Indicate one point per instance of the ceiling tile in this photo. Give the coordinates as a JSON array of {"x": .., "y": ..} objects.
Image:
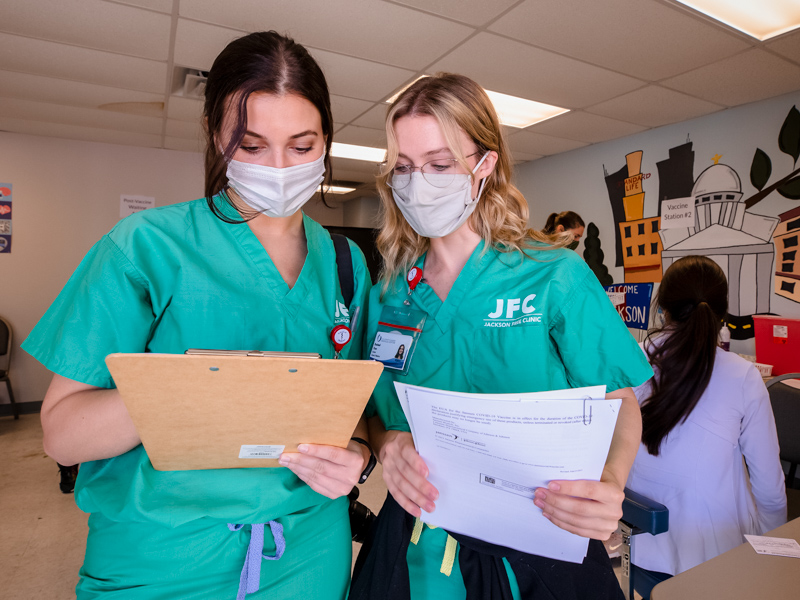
[
  {"x": 472, "y": 12},
  {"x": 642, "y": 38},
  {"x": 747, "y": 77},
  {"x": 374, "y": 118},
  {"x": 520, "y": 157},
  {"x": 93, "y": 24},
  {"x": 356, "y": 78},
  {"x": 14, "y": 108},
  {"x": 583, "y": 127},
  {"x": 164, "y": 6},
  {"x": 184, "y": 129},
  {"x": 76, "y": 132},
  {"x": 654, "y": 106},
  {"x": 197, "y": 44},
  {"x": 63, "y": 91},
  {"x": 380, "y": 31},
  {"x": 787, "y": 45},
  {"x": 185, "y": 109},
  {"x": 510, "y": 67},
  {"x": 528, "y": 142},
  {"x": 39, "y": 57},
  {"x": 346, "y": 109},
  {"x": 182, "y": 144},
  {"x": 361, "y": 136}
]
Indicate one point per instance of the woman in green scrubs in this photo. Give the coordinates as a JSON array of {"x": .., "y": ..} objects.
[
  {"x": 243, "y": 268},
  {"x": 508, "y": 310}
]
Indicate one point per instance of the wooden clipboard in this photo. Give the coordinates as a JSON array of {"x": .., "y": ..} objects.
[{"x": 239, "y": 409}]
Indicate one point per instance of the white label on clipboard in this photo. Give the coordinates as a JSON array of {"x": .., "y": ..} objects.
[{"x": 260, "y": 451}]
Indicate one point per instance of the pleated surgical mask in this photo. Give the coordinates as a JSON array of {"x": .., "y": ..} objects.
[
  {"x": 276, "y": 192},
  {"x": 434, "y": 211}
]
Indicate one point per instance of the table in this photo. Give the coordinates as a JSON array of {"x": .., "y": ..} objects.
[{"x": 739, "y": 574}]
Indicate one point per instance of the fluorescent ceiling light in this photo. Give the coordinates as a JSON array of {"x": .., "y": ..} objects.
[
  {"x": 375, "y": 155},
  {"x": 761, "y": 19},
  {"x": 511, "y": 110},
  {"x": 338, "y": 189}
]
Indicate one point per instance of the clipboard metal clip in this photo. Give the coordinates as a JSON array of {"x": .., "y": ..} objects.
[{"x": 585, "y": 421}]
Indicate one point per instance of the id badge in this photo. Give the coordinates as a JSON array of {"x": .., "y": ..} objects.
[{"x": 399, "y": 329}]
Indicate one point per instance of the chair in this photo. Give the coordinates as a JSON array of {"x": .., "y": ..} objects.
[
  {"x": 639, "y": 515},
  {"x": 785, "y": 401},
  {"x": 5, "y": 361}
]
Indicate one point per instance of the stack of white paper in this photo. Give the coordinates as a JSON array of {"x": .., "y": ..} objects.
[{"x": 487, "y": 454}]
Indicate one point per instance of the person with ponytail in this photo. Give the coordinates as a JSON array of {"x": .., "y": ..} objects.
[
  {"x": 702, "y": 412},
  {"x": 565, "y": 222}
]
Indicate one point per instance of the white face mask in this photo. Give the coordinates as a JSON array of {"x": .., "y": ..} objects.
[
  {"x": 276, "y": 192},
  {"x": 435, "y": 212}
]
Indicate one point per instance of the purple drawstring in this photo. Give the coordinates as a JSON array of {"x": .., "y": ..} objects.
[{"x": 251, "y": 571}]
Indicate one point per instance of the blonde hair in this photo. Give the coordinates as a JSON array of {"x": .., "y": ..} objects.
[{"x": 501, "y": 217}]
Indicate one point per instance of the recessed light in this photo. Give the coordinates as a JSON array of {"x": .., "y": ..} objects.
[
  {"x": 338, "y": 189},
  {"x": 761, "y": 19},
  {"x": 375, "y": 155},
  {"x": 512, "y": 111}
]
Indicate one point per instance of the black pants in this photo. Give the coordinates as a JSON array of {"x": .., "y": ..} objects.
[{"x": 381, "y": 571}]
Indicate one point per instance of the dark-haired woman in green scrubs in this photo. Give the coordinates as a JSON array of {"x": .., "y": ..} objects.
[{"x": 243, "y": 268}]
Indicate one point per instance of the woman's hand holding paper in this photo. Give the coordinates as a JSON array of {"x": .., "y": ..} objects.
[{"x": 405, "y": 473}]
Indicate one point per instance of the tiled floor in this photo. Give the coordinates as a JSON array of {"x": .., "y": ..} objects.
[{"x": 42, "y": 532}]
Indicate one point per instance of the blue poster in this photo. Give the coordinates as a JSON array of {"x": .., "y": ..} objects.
[
  {"x": 632, "y": 301},
  {"x": 5, "y": 218}
]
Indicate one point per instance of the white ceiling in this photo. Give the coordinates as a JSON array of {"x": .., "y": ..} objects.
[{"x": 621, "y": 66}]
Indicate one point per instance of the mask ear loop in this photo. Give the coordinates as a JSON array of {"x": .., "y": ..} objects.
[{"x": 483, "y": 181}]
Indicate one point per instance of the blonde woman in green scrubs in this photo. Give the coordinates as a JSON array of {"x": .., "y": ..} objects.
[
  {"x": 506, "y": 312},
  {"x": 243, "y": 268}
]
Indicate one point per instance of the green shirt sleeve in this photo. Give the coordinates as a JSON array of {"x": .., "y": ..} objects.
[
  {"x": 594, "y": 342},
  {"x": 104, "y": 308}
]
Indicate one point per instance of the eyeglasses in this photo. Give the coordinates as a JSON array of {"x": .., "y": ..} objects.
[{"x": 439, "y": 172}]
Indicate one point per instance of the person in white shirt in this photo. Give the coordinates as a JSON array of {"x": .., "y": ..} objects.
[{"x": 703, "y": 412}]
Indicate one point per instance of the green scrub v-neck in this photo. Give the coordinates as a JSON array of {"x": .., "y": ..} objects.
[{"x": 165, "y": 280}]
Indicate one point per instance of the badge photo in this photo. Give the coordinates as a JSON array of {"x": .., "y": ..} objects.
[{"x": 391, "y": 348}]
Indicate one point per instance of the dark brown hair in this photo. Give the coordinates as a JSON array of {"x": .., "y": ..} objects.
[
  {"x": 694, "y": 297},
  {"x": 268, "y": 62},
  {"x": 567, "y": 219}
]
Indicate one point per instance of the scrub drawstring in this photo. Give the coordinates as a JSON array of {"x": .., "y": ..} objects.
[
  {"x": 251, "y": 571},
  {"x": 449, "y": 557}
]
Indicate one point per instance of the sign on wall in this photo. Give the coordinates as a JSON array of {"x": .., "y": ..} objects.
[
  {"x": 632, "y": 301},
  {"x": 678, "y": 212},
  {"x": 5, "y": 218},
  {"x": 130, "y": 204}
]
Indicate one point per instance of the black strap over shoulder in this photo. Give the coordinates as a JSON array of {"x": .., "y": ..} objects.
[{"x": 344, "y": 265}]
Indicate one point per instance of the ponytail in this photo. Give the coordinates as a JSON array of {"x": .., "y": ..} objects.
[{"x": 694, "y": 295}]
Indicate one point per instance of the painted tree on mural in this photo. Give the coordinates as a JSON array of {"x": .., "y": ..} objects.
[
  {"x": 594, "y": 255},
  {"x": 761, "y": 169}
]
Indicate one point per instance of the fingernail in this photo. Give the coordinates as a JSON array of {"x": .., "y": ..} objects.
[
  {"x": 430, "y": 507},
  {"x": 546, "y": 516},
  {"x": 539, "y": 503},
  {"x": 282, "y": 461},
  {"x": 302, "y": 448},
  {"x": 553, "y": 486},
  {"x": 540, "y": 493}
]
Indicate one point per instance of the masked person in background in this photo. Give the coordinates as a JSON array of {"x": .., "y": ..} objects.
[
  {"x": 242, "y": 268},
  {"x": 452, "y": 218},
  {"x": 565, "y": 222}
]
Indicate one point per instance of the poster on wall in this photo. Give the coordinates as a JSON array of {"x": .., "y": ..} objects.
[
  {"x": 632, "y": 301},
  {"x": 5, "y": 218},
  {"x": 130, "y": 204}
]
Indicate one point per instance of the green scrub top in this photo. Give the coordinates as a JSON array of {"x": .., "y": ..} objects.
[
  {"x": 511, "y": 323},
  {"x": 165, "y": 280}
]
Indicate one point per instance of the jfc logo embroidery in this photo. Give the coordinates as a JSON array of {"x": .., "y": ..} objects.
[
  {"x": 512, "y": 312},
  {"x": 341, "y": 314}
]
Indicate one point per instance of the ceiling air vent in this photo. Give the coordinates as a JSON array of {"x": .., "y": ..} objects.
[{"x": 194, "y": 84}]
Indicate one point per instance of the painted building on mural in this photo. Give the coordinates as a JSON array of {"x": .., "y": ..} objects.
[
  {"x": 641, "y": 243},
  {"x": 740, "y": 242},
  {"x": 787, "y": 269}
]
